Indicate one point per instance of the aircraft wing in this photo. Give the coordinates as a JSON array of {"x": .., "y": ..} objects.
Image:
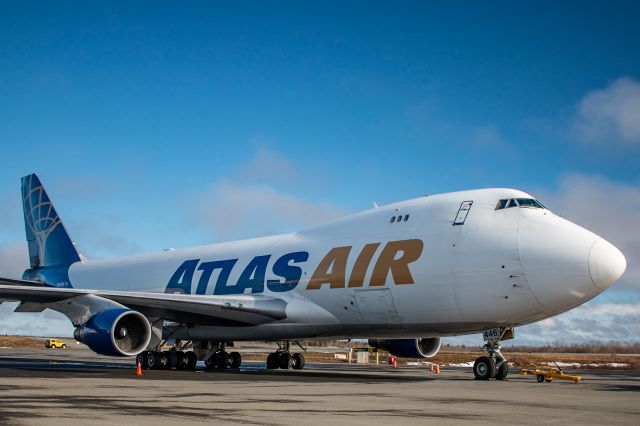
[{"x": 185, "y": 308}]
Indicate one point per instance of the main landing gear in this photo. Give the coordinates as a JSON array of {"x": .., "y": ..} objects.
[
  {"x": 166, "y": 360},
  {"x": 218, "y": 358},
  {"x": 282, "y": 358},
  {"x": 494, "y": 365}
]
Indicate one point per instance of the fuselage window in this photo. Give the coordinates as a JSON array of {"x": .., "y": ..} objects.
[
  {"x": 406, "y": 217},
  {"x": 393, "y": 219}
]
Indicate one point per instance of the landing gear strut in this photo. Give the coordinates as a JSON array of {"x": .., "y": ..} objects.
[
  {"x": 282, "y": 358},
  {"x": 494, "y": 365}
]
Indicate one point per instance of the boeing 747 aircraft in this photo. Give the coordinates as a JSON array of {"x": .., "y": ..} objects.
[{"x": 402, "y": 275}]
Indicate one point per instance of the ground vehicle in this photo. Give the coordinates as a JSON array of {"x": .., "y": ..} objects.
[
  {"x": 550, "y": 374},
  {"x": 55, "y": 344}
]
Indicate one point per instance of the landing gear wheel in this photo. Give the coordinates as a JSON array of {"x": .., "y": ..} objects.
[
  {"x": 484, "y": 368},
  {"x": 181, "y": 360},
  {"x": 153, "y": 360},
  {"x": 297, "y": 361},
  {"x": 209, "y": 363},
  {"x": 192, "y": 360},
  {"x": 540, "y": 378},
  {"x": 235, "y": 360},
  {"x": 502, "y": 371},
  {"x": 273, "y": 361},
  {"x": 285, "y": 361},
  {"x": 141, "y": 359},
  {"x": 164, "y": 363},
  {"x": 222, "y": 360}
]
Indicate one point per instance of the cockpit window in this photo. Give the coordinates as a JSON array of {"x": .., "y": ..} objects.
[
  {"x": 529, "y": 202},
  {"x": 519, "y": 202}
]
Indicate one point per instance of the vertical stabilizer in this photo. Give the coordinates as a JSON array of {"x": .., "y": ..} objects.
[{"x": 49, "y": 242}]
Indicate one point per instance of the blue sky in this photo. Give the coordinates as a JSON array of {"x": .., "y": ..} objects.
[{"x": 166, "y": 124}]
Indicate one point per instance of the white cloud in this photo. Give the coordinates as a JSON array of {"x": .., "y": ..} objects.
[
  {"x": 610, "y": 115},
  {"x": 14, "y": 259},
  {"x": 591, "y": 321},
  {"x": 267, "y": 166},
  {"x": 47, "y": 323},
  {"x": 235, "y": 210}
]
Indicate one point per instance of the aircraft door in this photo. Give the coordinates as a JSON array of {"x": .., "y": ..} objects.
[{"x": 376, "y": 306}]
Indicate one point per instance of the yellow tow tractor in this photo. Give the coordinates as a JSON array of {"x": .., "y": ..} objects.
[{"x": 550, "y": 374}]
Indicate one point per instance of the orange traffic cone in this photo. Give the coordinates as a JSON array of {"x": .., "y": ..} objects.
[
  {"x": 437, "y": 368},
  {"x": 139, "y": 369}
]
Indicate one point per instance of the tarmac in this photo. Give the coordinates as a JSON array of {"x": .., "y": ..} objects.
[{"x": 75, "y": 386}]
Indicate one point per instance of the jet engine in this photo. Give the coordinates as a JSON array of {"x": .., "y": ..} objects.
[
  {"x": 115, "y": 332},
  {"x": 422, "y": 347}
]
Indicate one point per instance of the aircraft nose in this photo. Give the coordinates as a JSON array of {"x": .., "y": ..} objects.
[
  {"x": 564, "y": 264},
  {"x": 606, "y": 264}
]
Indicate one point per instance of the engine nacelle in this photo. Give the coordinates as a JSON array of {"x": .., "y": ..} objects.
[
  {"x": 115, "y": 332},
  {"x": 426, "y": 347}
]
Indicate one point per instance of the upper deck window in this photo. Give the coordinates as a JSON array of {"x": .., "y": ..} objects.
[{"x": 519, "y": 202}]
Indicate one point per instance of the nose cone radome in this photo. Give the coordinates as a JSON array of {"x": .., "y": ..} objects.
[{"x": 606, "y": 264}]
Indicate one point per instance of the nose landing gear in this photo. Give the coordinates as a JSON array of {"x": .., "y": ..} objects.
[{"x": 494, "y": 365}]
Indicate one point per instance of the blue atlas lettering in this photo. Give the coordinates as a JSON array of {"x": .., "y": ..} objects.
[
  {"x": 252, "y": 277},
  {"x": 290, "y": 273},
  {"x": 180, "y": 282},
  {"x": 207, "y": 268}
]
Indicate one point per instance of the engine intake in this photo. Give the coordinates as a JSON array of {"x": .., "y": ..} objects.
[
  {"x": 422, "y": 347},
  {"x": 115, "y": 332}
]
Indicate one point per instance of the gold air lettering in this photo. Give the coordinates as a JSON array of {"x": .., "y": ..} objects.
[
  {"x": 389, "y": 261},
  {"x": 362, "y": 264},
  {"x": 331, "y": 270}
]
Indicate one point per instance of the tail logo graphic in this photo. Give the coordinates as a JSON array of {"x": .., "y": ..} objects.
[
  {"x": 40, "y": 216},
  {"x": 49, "y": 243}
]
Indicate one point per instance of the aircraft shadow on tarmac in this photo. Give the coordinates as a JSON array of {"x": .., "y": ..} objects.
[{"x": 46, "y": 367}]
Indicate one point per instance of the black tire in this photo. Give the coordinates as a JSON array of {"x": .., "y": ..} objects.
[
  {"x": 273, "y": 361},
  {"x": 141, "y": 359},
  {"x": 181, "y": 360},
  {"x": 192, "y": 360},
  {"x": 235, "y": 359},
  {"x": 64, "y": 346},
  {"x": 165, "y": 360},
  {"x": 503, "y": 371},
  {"x": 297, "y": 361},
  {"x": 210, "y": 363},
  {"x": 153, "y": 360},
  {"x": 222, "y": 360},
  {"x": 540, "y": 378},
  {"x": 285, "y": 361},
  {"x": 484, "y": 368}
]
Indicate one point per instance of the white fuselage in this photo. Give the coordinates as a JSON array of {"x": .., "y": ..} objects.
[{"x": 510, "y": 266}]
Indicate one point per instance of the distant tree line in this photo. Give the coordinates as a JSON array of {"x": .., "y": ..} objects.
[{"x": 590, "y": 347}]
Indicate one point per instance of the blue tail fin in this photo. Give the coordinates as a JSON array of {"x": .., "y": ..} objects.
[{"x": 49, "y": 242}]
